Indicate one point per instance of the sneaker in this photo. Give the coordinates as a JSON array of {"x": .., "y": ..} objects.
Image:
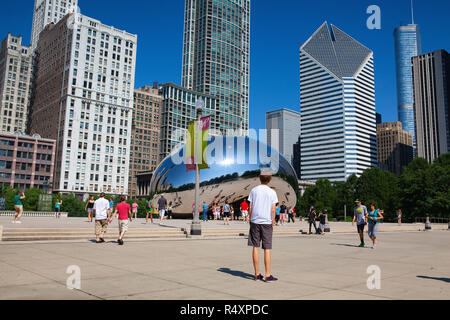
[
  {"x": 374, "y": 246},
  {"x": 120, "y": 242},
  {"x": 19, "y": 222},
  {"x": 270, "y": 279},
  {"x": 362, "y": 245}
]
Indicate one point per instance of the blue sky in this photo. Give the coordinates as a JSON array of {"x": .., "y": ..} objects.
[{"x": 277, "y": 28}]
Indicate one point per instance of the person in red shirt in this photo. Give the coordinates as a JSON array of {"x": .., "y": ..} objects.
[
  {"x": 124, "y": 211},
  {"x": 244, "y": 211}
]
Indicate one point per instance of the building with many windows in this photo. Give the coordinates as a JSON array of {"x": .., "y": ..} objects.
[
  {"x": 15, "y": 81},
  {"x": 83, "y": 98},
  {"x": 26, "y": 162},
  {"x": 431, "y": 73},
  {"x": 407, "y": 45},
  {"x": 287, "y": 124},
  {"x": 337, "y": 100},
  {"x": 145, "y": 132},
  {"x": 49, "y": 11},
  {"x": 178, "y": 109},
  {"x": 394, "y": 147},
  {"x": 216, "y": 57}
]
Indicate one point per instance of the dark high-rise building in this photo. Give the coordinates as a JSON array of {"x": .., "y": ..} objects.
[
  {"x": 379, "y": 118},
  {"x": 216, "y": 57},
  {"x": 431, "y": 74},
  {"x": 297, "y": 158},
  {"x": 394, "y": 147}
]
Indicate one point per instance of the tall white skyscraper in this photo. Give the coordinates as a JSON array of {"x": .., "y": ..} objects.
[
  {"x": 84, "y": 100},
  {"x": 49, "y": 11},
  {"x": 287, "y": 122},
  {"x": 15, "y": 75},
  {"x": 337, "y": 93}
]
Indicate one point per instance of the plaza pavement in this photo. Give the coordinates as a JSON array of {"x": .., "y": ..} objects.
[{"x": 414, "y": 265}]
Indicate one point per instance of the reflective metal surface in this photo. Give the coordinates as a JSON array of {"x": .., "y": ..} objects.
[{"x": 235, "y": 164}]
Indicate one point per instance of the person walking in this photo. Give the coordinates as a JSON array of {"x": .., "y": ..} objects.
[
  {"x": 226, "y": 214},
  {"x": 134, "y": 207},
  {"x": 162, "y": 204},
  {"x": 263, "y": 201},
  {"x": 360, "y": 217},
  {"x": 399, "y": 216},
  {"x": 90, "y": 208},
  {"x": 373, "y": 218},
  {"x": 283, "y": 213},
  {"x": 291, "y": 215},
  {"x": 58, "y": 205},
  {"x": 322, "y": 221},
  {"x": 205, "y": 208},
  {"x": 277, "y": 214},
  {"x": 244, "y": 211},
  {"x": 312, "y": 220},
  {"x": 102, "y": 214},
  {"x": 149, "y": 211},
  {"x": 18, "y": 207},
  {"x": 170, "y": 211},
  {"x": 124, "y": 211},
  {"x": 111, "y": 204},
  {"x": 233, "y": 217}
]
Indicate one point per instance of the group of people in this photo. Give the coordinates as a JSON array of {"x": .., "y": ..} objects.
[
  {"x": 364, "y": 217},
  {"x": 284, "y": 214},
  {"x": 313, "y": 217},
  {"x": 225, "y": 212}
]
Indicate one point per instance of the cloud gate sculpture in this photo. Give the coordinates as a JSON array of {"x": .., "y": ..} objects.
[{"x": 234, "y": 167}]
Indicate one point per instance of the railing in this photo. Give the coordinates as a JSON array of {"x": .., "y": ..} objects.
[
  {"x": 433, "y": 220},
  {"x": 33, "y": 214}
]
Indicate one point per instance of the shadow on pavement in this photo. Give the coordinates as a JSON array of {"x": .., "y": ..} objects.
[
  {"x": 347, "y": 245},
  {"x": 435, "y": 278},
  {"x": 237, "y": 273}
]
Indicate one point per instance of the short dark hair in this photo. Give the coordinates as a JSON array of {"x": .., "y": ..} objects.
[
  {"x": 265, "y": 179},
  {"x": 123, "y": 198},
  {"x": 102, "y": 195}
]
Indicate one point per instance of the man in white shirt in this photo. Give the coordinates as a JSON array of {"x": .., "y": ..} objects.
[
  {"x": 263, "y": 200},
  {"x": 102, "y": 214}
]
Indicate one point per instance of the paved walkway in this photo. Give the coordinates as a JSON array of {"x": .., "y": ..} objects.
[{"x": 414, "y": 265}]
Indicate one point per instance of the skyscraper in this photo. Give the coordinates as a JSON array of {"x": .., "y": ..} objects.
[
  {"x": 177, "y": 110},
  {"x": 337, "y": 100},
  {"x": 394, "y": 147},
  {"x": 15, "y": 80},
  {"x": 216, "y": 57},
  {"x": 84, "y": 100},
  {"x": 287, "y": 122},
  {"x": 431, "y": 73},
  {"x": 144, "y": 134},
  {"x": 407, "y": 45},
  {"x": 46, "y": 12}
]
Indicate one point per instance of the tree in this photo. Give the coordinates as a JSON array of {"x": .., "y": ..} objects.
[
  {"x": 31, "y": 201},
  {"x": 416, "y": 189},
  {"x": 322, "y": 196}
]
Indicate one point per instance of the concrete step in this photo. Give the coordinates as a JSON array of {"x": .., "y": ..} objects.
[{"x": 112, "y": 236}]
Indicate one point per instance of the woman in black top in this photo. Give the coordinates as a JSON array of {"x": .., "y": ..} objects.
[{"x": 90, "y": 208}]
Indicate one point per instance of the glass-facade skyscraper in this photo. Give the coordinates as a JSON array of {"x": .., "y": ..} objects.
[
  {"x": 407, "y": 45},
  {"x": 337, "y": 101},
  {"x": 216, "y": 57}
]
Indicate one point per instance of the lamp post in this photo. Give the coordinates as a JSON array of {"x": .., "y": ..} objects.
[{"x": 196, "y": 228}]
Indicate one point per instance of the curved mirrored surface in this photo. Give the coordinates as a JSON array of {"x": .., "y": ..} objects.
[{"x": 234, "y": 167}]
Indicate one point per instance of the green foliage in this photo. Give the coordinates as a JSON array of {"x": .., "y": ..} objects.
[
  {"x": 422, "y": 189},
  {"x": 31, "y": 201}
]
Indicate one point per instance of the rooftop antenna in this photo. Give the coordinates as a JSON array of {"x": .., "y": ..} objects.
[{"x": 412, "y": 11}]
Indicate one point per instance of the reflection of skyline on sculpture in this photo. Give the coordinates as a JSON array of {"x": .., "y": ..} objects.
[{"x": 174, "y": 175}]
